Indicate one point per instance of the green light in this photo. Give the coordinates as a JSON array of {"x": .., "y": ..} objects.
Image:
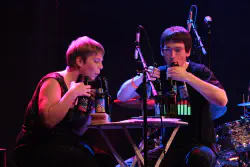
[
  {"x": 185, "y": 110},
  {"x": 179, "y": 109},
  {"x": 189, "y": 110}
]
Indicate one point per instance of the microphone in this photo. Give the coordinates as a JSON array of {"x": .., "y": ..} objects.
[
  {"x": 190, "y": 20},
  {"x": 208, "y": 20},
  {"x": 137, "y": 42},
  {"x": 79, "y": 78}
]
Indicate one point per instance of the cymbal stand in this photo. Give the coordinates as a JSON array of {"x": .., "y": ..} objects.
[{"x": 246, "y": 113}]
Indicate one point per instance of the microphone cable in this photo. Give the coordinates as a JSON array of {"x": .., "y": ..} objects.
[
  {"x": 149, "y": 45},
  {"x": 194, "y": 20}
]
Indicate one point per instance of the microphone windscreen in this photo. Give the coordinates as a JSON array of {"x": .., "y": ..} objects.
[{"x": 207, "y": 20}]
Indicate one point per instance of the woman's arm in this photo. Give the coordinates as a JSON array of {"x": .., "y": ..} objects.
[{"x": 53, "y": 107}]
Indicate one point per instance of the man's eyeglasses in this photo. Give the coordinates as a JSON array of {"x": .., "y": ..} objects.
[{"x": 169, "y": 50}]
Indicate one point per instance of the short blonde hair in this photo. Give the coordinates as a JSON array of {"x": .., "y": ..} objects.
[{"x": 83, "y": 47}]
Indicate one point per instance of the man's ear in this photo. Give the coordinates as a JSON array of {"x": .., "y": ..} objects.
[
  {"x": 188, "y": 53},
  {"x": 79, "y": 62},
  {"x": 161, "y": 52}
]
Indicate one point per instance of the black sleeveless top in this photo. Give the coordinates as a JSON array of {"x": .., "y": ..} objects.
[{"x": 34, "y": 132}]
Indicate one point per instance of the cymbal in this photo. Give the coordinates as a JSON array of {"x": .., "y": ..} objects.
[
  {"x": 135, "y": 103},
  {"x": 244, "y": 104}
]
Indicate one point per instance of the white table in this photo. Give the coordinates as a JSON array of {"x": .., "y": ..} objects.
[{"x": 138, "y": 123}]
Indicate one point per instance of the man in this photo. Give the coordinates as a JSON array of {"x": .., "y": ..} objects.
[
  {"x": 193, "y": 144},
  {"x": 54, "y": 122}
]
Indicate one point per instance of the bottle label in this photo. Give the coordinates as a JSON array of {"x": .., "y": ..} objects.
[
  {"x": 172, "y": 111},
  {"x": 175, "y": 89},
  {"x": 183, "y": 91},
  {"x": 83, "y": 105},
  {"x": 157, "y": 110},
  {"x": 100, "y": 105},
  {"x": 171, "y": 103}
]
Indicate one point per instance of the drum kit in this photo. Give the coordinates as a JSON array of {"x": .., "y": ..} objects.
[
  {"x": 233, "y": 141},
  {"x": 232, "y": 138}
]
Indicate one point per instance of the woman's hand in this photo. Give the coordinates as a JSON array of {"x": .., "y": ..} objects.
[
  {"x": 80, "y": 89},
  {"x": 154, "y": 73}
]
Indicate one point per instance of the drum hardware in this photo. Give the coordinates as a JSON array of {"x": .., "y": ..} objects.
[
  {"x": 233, "y": 143},
  {"x": 244, "y": 104},
  {"x": 232, "y": 159}
]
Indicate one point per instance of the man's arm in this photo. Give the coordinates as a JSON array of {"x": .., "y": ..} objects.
[
  {"x": 217, "y": 111},
  {"x": 212, "y": 93},
  {"x": 128, "y": 88}
]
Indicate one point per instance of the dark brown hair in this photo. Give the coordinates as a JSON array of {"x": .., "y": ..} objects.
[{"x": 176, "y": 34}]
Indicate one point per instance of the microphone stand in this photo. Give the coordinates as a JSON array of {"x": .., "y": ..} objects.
[
  {"x": 199, "y": 39},
  {"x": 145, "y": 111},
  {"x": 209, "y": 45},
  {"x": 159, "y": 107},
  {"x": 144, "y": 102}
]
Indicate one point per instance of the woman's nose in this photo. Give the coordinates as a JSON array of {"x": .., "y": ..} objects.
[{"x": 101, "y": 66}]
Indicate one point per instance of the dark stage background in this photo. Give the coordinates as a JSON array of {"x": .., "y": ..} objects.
[{"x": 38, "y": 34}]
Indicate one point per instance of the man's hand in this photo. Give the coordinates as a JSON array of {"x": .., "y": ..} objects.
[{"x": 177, "y": 73}]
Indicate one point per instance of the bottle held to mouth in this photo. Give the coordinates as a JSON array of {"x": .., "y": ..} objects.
[{"x": 83, "y": 102}]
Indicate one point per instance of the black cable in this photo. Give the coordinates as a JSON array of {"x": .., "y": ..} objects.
[
  {"x": 194, "y": 20},
  {"x": 149, "y": 45}
]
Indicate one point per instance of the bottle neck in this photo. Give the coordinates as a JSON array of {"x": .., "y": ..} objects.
[{"x": 100, "y": 93}]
